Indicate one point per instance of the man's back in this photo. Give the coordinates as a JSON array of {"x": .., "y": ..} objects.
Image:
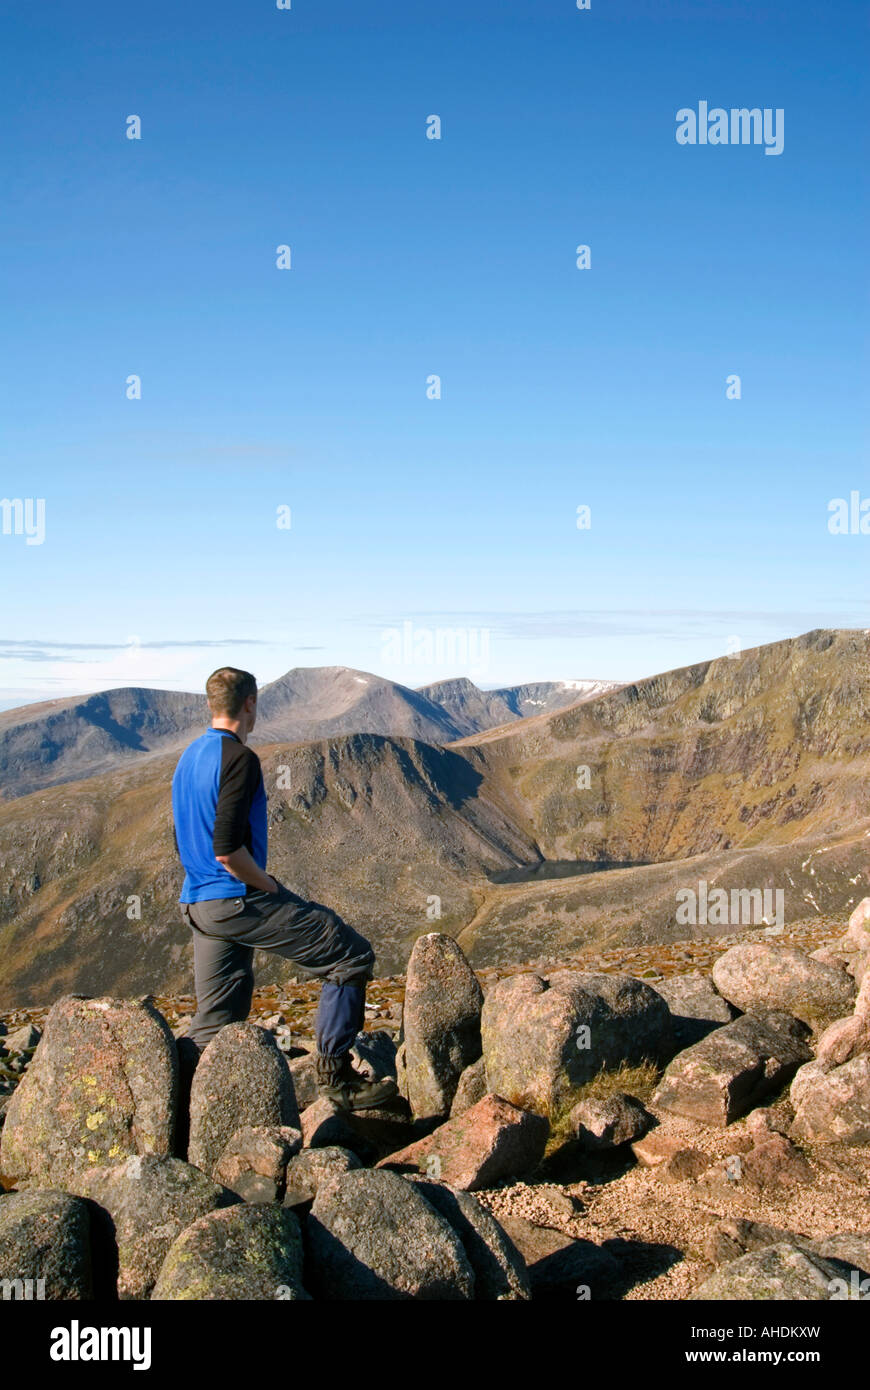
[{"x": 219, "y": 806}]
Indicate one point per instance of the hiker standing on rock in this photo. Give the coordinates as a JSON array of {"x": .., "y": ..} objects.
[{"x": 232, "y": 905}]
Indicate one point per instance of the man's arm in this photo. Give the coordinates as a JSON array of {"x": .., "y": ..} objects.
[
  {"x": 242, "y": 865},
  {"x": 240, "y": 781}
]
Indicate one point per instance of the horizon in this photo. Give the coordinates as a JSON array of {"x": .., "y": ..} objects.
[{"x": 508, "y": 685}]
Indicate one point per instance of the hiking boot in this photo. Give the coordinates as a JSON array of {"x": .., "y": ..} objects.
[{"x": 339, "y": 1081}]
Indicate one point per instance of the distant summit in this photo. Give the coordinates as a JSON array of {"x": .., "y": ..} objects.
[
  {"x": 477, "y": 710},
  {"x": 58, "y": 741}
]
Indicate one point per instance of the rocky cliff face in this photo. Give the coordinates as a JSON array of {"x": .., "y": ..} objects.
[{"x": 769, "y": 746}]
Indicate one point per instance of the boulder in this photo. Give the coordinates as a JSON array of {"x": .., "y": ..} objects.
[
  {"x": 834, "y": 1106},
  {"x": 602, "y": 1124},
  {"x": 254, "y": 1162},
  {"x": 309, "y": 1169},
  {"x": 238, "y": 1253},
  {"x": 772, "y": 1163},
  {"x": 147, "y": 1202},
  {"x": 45, "y": 1246},
  {"x": 844, "y": 1039},
  {"x": 545, "y": 1036},
  {"x": 500, "y": 1272},
  {"x": 735, "y": 1237},
  {"x": 327, "y": 1125},
  {"x": 757, "y": 976},
  {"x": 242, "y": 1079},
  {"x": 657, "y": 1147},
  {"x": 562, "y": 1268},
  {"x": 778, "y": 1272},
  {"x": 102, "y": 1085},
  {"x": 848, "y": 1250},
  {"x": 401, "y": 1071},
  {"x": 696, "y": 1007},
  {"x": 303, "y": 1071},
  {"x": 857, "y": 936},
  {"x": 491, "y": 1141},
  {"x": 734, "y": 1068},
  {"x": 375, "y": 1054},
  {"x": 805, "y": 1080},
  {"x": 858, "y": 966},
  {"x": 441, "y": 1023},
  {"x": 683, "y": 1165},
  {"x": 862, "y": 1002},
  {"x": 372, "y": 1235},
  {"x": 22, "y": 1040},
  {"x": 763, "y": 1122},
  {"x": 471, "y": 1088}
]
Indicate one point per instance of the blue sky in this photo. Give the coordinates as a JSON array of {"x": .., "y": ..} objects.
[{"x": 306, "y": 387}]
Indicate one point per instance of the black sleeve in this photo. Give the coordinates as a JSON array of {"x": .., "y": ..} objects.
[{"x": 240, "y": 777}]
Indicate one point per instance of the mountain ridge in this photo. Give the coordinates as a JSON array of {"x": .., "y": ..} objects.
[
  {"x": 62, "y": 740},
  {"x": 750, "y": 772}
]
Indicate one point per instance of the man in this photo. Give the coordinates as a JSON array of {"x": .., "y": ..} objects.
[{"x": 232, "y": 904}]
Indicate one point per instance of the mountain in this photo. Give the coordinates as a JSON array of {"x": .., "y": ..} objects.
[
  {"x": 57, "y": 741},
  {"x": 64, "y": 740},
  {"x": 475, "y": 710},
  {"x": 747, "y": 772},
  {"x": 323, "y": 701}
]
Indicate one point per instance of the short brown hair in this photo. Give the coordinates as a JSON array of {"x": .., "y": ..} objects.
[{"x": 227, "y": 689}]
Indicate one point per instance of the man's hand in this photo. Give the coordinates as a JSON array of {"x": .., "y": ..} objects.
[{"x": 242, "y": 865}]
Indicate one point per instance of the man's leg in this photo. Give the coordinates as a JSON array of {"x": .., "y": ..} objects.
[
  {"x": 341, "y": 1014},
  {"x": 224, "y": 983},
  {"x": 321, "y": 943}
]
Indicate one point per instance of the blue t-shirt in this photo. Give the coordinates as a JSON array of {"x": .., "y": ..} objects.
[{"x": 218, "y": 805}]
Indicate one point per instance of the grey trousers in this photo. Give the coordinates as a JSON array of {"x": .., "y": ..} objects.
[{"x": 227, "y": 930}]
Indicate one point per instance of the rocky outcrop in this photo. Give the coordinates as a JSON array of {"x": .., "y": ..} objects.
[
  {"x": 544, "y": 1036},
  {"x": 241, "y": 1253},
  {"x": 441, "y": 1023},
  {"x": 242, "y": 1079},
  {"x": 491, "y": 1141},
  {"x": 833, "y": 1106},
  {"x": 147, "y": 1203},
  {"x": 756, "y": 976},
  {"x": 45, "y": 1246},
  {"x": 778, "y": 1272},
  {"x": 372, "y": 1235},
  {"x": 734, "y": 1068},
  {"x": 102, "y": 1086},
  {"x": 602, "y": 1124}
]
